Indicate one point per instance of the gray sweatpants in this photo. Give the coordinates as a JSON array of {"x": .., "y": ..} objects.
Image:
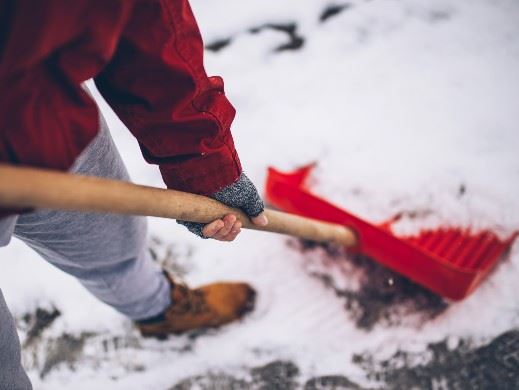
[{"x": 105, "y": 252}]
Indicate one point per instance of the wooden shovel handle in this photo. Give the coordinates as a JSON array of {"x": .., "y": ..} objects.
[{"x": 22, "y": 187}]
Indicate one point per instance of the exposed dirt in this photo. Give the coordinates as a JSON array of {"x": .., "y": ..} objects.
[
  {"x": 494, "y": 366},
  {"x": 276, "y": 375},
  {"x": 331, "y": 382},
  {"x": 384, "y": 298},
  {"x": 35, "y": 323},
  {"x": 65, "y": 349},
  {"x": 219, "y": 44},
  {"x": 333, "y": 10},
  {"x": 212, "y": 382},
  {"x": 295, "y": 41}
]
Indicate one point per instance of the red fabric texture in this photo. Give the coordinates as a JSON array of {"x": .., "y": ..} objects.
[{"x": 146, "y": 58}]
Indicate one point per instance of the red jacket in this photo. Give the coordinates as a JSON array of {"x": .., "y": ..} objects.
[{"x": 146, "y": 58}]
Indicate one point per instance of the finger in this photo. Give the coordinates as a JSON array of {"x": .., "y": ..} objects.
[
  {"x": 260, "y": 220},
  {"x": 212, "y": 228},
  {"x": 235, "y": 231},
  {"x": 231, "y": 236},
  {"x": 236, "y": 227},
  {"x": 229, "y": 221}
]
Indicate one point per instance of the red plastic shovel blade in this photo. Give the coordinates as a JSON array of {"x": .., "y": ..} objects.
[
  {"x": 450, "y": 262},
  {"x": 461, "y": 247}
]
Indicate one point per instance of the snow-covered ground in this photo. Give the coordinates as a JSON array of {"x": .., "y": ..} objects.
[{"x": 406, "y": 105}]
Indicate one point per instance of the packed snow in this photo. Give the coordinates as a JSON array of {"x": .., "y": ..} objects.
[{"x": 402, "y": 103}]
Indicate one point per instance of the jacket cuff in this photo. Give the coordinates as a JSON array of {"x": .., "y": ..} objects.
[
  {"x": 4, "y": 213},
  {"x": 203, "y": 175}
]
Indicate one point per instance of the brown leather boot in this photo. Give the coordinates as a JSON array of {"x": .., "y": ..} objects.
[{"x": 208, "y": 306}]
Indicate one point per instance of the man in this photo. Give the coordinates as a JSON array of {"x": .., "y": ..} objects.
[{"x": 146, "y": 57}]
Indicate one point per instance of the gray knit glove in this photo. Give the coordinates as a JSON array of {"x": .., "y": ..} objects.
[{"x": 241, "y": 194}]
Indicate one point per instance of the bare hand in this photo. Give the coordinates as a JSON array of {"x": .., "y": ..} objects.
[{"x": 228, "y": 228}]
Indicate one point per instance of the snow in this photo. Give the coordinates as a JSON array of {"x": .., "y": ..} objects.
[{"x": 401, "y": 103}]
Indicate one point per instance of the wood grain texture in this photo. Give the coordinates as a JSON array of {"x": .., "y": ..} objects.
[{"x": 22, "y": 187}]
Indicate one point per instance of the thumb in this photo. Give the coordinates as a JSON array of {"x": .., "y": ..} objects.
[{"x": 260, "y": 220}]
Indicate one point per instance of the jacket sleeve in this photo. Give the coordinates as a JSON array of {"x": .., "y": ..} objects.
[
  {"x": 47, "y": 49},
  {"x": 157, "y": 85}
]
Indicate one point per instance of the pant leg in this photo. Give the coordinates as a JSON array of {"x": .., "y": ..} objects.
[
  {"x": 7, "y": 225},
  {"x": 12, "y": 375},
  {"x": 105, "y": 252}
]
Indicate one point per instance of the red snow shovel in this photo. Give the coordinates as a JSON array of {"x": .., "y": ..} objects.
[{"x": 451, "y": 262}]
